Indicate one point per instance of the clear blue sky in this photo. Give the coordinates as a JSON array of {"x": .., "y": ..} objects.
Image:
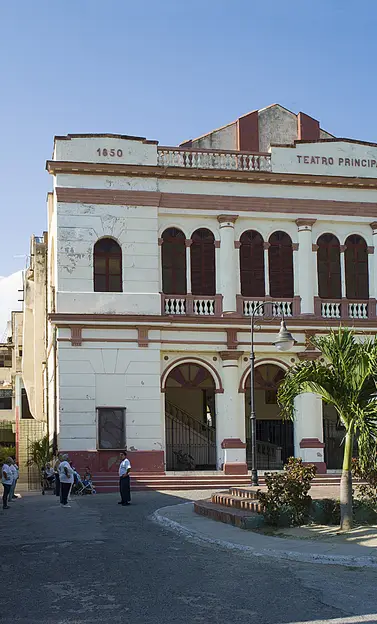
[{"x": 168, "y": 70}]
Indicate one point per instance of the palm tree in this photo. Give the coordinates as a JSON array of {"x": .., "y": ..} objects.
[
  {"x": 40, "y": 452},
  {"x": 346, "y": 380}
]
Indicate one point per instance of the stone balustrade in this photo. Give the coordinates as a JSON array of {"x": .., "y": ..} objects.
[
  {"x": 213, "y": 159},
  {"x": 345, "y": 309}
]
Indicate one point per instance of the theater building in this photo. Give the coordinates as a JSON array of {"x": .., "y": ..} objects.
[{"x": 157, "y": 257}]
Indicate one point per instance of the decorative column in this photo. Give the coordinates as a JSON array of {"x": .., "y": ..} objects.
[
  {"x": 266, "y": 247},
  {"x": 227, "y": 264},
  {"x": 308, "y": 425},
  {"x": 305, "y": 269},
  {"x": 343, "y": 270},
  {"x": 188, "y": 265},
  {"x": 230, "y": 419},
  {"x": 373, "y": 264}
]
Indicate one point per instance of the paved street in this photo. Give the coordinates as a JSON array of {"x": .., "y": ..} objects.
[{"x": 100, "y": 562}]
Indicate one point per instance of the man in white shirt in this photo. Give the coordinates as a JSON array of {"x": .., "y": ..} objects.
[
  {"x": 6, "y": 480},
  {"x": 124, "y": 479},
  {"x": 66, "y": 480}
]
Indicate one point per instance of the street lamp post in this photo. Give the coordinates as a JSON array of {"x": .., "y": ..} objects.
[{"x": 284, "y": 341}]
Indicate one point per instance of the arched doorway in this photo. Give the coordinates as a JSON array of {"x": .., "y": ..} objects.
[
  {"x": 274, "y": 435},
  {"x": 190, "y": 420}
]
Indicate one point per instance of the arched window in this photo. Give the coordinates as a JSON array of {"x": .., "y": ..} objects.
[
  {"x": 280, "y": 260},
  {"x": 328, "y": 267},
  {"x": 203, "y": 275},
  {"x": 252, "y": 264},
  {"x": 107, "y": 266},
  {"x": 174, "y": 262},
  {"x": 356, "y": 260}
]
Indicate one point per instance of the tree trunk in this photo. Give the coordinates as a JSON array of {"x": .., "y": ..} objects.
[{"x": 346, "y": 486}]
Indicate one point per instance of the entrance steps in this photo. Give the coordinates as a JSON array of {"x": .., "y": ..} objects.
[
  {"x": 203, "y": 480},
  {"x": 239, "y": 507}
]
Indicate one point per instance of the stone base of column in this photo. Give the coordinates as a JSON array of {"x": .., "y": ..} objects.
[
  {"x": 312, "y": 453},
  {"x": 234, "y": 456},
  {"x": 236, "y": 468}
]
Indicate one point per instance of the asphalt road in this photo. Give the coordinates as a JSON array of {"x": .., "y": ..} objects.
[{"x": 100, "y": 562}]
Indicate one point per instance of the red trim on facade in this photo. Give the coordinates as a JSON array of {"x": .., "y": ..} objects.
[
  {"x": 235, "y": 468},
  {"x": 321, "y": 466},
  {"x": 307, "y": 128},
  {"x": 246, "y": 373},
  {"x": 248, "y": 132},
  {"x": 76, "y": 335},
  {"x": 311, "y": 443},
  {"x": 108, "y": 461},
  {"x": 192, "y": 360},
  {"x": 233, "y": 443}
]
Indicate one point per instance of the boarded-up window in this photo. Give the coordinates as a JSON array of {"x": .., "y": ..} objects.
[
  {"x": 203, "y": 274},
  {"x": 356, "y": 261},
  {"x": 280, "y": 259},
  {"x": 111, "y": 428},
  {"x": 252, "y": 264},
  {"x": 174, "y": 262},
  {"x": 107, "y": 266},
  {"x": 328, "y": 267}
]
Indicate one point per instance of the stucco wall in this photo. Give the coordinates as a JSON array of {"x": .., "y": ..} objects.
[
  {"x": 114, "y": 374},
  {"x": 224, "y": 138},
  {"x": 276, "y": 125}
]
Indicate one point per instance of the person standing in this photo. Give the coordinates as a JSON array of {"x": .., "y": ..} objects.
[
  {"x": 56, "y": 474},
  {"x": 14, "y": 470},
  {"x": 124, "y": 479},
  {"x": 6, "y": 480},
  {"x": 66, "y": 480}
]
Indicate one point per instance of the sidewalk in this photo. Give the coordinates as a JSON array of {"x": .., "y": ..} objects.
[{"x": 335, "y": 550}]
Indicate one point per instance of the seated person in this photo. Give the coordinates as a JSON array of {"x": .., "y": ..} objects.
[
  {"x": 49, "y": 473},
  {"x": 87, "y": 480}
]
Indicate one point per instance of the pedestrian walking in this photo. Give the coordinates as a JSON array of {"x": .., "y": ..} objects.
[
  {"x": 56, "y": 474},
  {"x": 6, "y": 480},
  {"x": 124, "y": 480},
  {"x": 14, "y": 470},
  {"x": 66, "y": 480}
]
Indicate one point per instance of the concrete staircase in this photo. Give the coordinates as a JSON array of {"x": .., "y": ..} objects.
[
  {"x": 204, "y": 480},
  {"x": 238, "y": 506}
]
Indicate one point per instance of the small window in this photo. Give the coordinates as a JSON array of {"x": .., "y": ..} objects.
[
  {"x": 5, "y": 361},
  {"x": 5, "y": 403},
  {"x": 20, "y": 352},
  {"x": 111, "y": 428}
]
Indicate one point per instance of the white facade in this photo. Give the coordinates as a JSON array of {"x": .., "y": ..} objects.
[{"x": 117, "y": 349}]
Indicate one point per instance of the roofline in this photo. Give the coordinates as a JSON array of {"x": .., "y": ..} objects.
[
  {"x": 68, "y": 137},
  {"x": 333, "y": 140}
]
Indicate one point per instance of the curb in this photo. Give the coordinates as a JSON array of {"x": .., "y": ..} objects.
[{"x": 341, "y": 560}]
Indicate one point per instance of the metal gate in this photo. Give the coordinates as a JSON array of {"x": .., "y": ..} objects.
[
  {"x": 333, "y": 434},
  {"x": 190, "y": 444},
  {"x": 274, "y": 444}
]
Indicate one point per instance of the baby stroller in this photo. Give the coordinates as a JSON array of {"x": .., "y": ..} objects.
[{"x": 83, "y": 486}]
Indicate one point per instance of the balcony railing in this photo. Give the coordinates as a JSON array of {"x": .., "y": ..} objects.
[
  {"x": 345, "y": 309},
  {"x": 269, "y": 307},
  {"x": 191, "y": 305},
  {"x": 213, "y": 159}
]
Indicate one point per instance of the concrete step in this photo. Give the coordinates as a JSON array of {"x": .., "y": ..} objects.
[
  {"x": 240, "y": 518},
  {"x": 236, "y": 502}
]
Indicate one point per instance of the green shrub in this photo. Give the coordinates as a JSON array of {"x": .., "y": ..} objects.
[
  {"x": 5, "y": 452},
  {"x": 366, "y": 492},
  {"x": 286, "y": 502},
  {"x": 325, "y": 511}
]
